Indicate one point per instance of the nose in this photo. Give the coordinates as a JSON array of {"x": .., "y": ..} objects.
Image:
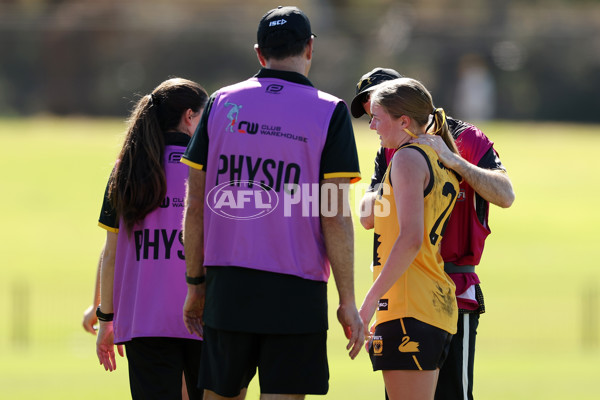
[{"x": 372, "y": 124}]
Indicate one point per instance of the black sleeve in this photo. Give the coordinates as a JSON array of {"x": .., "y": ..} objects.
[
  {"x": 196, "y": 154},
  {"x": 108, "y": 215},
  {"x": 490, "y": 160},
  {"x": 340, "y": 157},
  {"x": 380, "y": 168}
]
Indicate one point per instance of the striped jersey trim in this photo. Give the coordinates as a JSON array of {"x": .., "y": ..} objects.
[
  {"x": 354, "y": 176},
  {"x": 108, "y": 228},
  {"x": 192, "y": 164}
]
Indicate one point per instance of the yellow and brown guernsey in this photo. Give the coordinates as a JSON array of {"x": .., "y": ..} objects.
[{"x": 424, "y": 292}]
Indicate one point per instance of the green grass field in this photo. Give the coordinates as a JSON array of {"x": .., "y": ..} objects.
[{"x": 539, "y": 339}]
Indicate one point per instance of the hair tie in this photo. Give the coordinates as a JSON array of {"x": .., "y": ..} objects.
[
  {"x": 434, "y": 113},
  {"x": 432, "y": 120}
]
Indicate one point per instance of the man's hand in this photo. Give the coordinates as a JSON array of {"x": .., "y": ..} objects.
[
  {"x": 193, "y": 309},
  {"x": 353, "y": 328},
  {"x": 446, "y": 156}
]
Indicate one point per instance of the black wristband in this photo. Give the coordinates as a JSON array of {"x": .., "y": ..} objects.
[
  {"x": 104, "y": 317},
  {"x": 195, "y": 281}
]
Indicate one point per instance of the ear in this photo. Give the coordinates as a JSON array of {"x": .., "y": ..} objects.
[
  {"x": 188, "y": 115},
  {"x": 405, "y": 120},
  {"x": 309, "y": 49},
  {"x": 261, "y": 58}
]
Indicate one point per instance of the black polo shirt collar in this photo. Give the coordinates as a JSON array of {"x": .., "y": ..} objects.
[{"x": 290, "y": 76}]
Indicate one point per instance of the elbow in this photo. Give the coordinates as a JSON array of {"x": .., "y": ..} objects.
[
  {"x": 412, "y": 242},
  {"x": 507, "y": 197},
  {"x": 367, "y": 217},
  {"x": 508, "y": 200},
  {"x": 367, "y": 221},
  {"x": 415, "y": 243}
]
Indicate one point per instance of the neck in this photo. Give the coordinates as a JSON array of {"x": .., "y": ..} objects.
[{"x": 291, "y": 64}]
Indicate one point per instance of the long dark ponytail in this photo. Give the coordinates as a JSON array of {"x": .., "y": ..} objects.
[{"x": 137, "y": 184}]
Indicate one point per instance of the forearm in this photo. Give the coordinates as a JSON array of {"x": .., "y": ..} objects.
[
  {"x": 339, "y": 239},
  {"x": 493, "y": 185},
  {"x": 96, "y": 299},
  {"x": 338, "y": 233},
  {"x": 193, "y": 224},
  {"x": 89, "y": 315},
  {"x": 107, "y": 273}
]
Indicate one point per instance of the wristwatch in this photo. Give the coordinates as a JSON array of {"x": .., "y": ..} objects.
[{"x": 104, "y": 317}]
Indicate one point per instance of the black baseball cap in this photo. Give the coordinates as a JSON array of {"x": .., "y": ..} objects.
[
  {"x": 288, "y": 19},
  {"x": 368, "y": 83}
]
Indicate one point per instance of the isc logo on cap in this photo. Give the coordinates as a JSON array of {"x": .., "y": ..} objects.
[{"x": 278, "y": 22}]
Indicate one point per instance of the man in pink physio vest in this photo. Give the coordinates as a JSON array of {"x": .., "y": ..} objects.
[{"x": 258, "y": 251}]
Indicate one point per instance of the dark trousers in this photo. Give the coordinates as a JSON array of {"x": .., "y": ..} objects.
[
  {"x": 157, "y": 365},
  {"x": 456, "y": 375}
]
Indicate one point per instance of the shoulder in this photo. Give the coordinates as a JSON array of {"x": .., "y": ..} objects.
[
  {"x": 329, "y": 97},
  {"x": 415, "y": 151},
  {"x": 411, "y": 158},
  {"x": 465, "y": 131},
  {"x": 250, "y": 82},
  {"x": 410, "y": 170},
  {"x": 471, "y": 142}
]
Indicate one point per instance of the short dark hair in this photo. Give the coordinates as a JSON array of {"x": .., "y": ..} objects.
[{"x": 290, "y": 49}]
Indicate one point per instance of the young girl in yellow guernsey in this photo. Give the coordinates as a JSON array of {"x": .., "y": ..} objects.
[{"x": 412, "y": 297}]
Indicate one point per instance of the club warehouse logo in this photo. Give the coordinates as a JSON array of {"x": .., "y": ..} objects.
[{"x": 242, "y": 200}]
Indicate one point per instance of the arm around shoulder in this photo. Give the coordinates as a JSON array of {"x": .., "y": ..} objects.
[{"x": 494, "y": 185}]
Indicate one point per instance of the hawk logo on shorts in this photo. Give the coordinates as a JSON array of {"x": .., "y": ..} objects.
[
  {"x": 377, "y": 345},
  {"x": 407, "y": 346}
]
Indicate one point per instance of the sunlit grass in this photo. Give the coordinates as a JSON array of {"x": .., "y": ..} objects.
[{"x": 538, "y": 265}]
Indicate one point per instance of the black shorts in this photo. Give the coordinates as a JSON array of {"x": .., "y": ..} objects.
[
  {"x": 156, "y": 365},
  {"x": 408, "y": 344},
  {"x": 287, "y": 363}
]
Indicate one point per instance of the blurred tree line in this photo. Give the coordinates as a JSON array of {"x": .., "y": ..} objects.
[{"x": 480, "y": 59}]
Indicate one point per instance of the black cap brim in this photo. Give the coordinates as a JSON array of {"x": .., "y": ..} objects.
[
  {"x": 367, "y": 83},
  {"x": 356, "y": 107}
]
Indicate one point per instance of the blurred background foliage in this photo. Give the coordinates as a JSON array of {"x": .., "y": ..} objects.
[{"x": 486, "y": 59}]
